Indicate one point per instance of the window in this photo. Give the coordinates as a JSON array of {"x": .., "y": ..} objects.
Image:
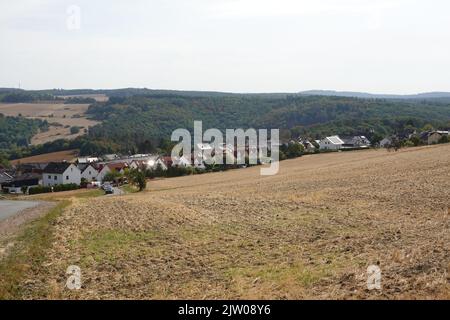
[
  {"x": 49, "y": 177},
  {"x": 67, "y": 177},
  {"x": 56, "y": 178}
]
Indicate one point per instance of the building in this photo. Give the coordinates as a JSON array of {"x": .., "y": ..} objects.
[
  {"x": 118, "y": 167},
  {"x": 5, "y": 177},
  {"x": 181, "y": 162},
  {"x": 386, "y": 142},
  {"x": 89, "y": 173},
  {"x": 331, "y": 143},
  {"x": 436, "y": 136},
  {"x": 87, "y": 160},
  {"x": 151, "y": 162},
  {"x": 356, "y": 142},
  {"x": 57, "y": 173},
  {"x": 23, "y": 181}
]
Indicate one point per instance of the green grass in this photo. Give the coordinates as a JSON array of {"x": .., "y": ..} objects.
[
  {"x": 90, "y": 194},
  {"x": 129, "y": 188},
  {"x": 28, "y": 253},
  {"x": 108, "y": 245}
]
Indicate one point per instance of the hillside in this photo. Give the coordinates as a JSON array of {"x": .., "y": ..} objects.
[
  {"x": 142, "y": 120},
  {"x": 131, "y": 121},
  {"x": 309, "y": 232}
]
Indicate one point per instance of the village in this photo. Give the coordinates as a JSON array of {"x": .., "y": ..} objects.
[{"x": 111, "y": 169}]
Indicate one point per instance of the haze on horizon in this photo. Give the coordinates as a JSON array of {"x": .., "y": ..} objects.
[{"x": 377, "y": 46}]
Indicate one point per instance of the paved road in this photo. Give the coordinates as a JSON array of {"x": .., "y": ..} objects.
[{"x": 9, "y": 208}]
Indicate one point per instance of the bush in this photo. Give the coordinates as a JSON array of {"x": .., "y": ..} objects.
[
  {"x": 444, "y": 139},
  {"x": 39, "y": 190},
  {"x": 65, "y": 187},
  {"x": 74, "y": 130}
]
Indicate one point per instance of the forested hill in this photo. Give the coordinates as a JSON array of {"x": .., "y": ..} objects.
[
  {"x": 140, "y": 120},
  {"x": 130, "y": 121}
]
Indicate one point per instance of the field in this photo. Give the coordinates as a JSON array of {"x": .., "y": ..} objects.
[
  {"x": 49, "y": 157},
  {"x": 98, "y": 97},
  {"x": 309, "y": 232},
  {"x": 60, "y": 117}
]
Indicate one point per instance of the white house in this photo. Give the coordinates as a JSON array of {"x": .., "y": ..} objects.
[
  {"x": 110, "y": 167},
  {"x": 89, "y": 174},
  {"x": 151, "y": 162},
  {"x": 181, "y": 162},
  {"x": 386, "y": 142},
  {"x": 331, "y": 143},
  {"x": 61, "y": 173}
]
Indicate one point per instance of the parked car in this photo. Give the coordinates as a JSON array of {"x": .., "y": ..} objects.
[
  {"x": 105, "y": 185},
  {"x": 109, "y": 189}
]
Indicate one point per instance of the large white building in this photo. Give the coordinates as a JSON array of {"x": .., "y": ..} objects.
[
  {"x": 61, "y": 173},
  {"x": 331, "y": 143}
]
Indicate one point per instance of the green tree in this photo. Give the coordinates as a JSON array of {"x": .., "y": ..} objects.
[
  {"x": 137, "y": 178},
  {"x": 112, "y": 176}
]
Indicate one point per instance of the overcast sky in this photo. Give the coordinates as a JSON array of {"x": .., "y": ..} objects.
[{"x": 380, "y": 46}]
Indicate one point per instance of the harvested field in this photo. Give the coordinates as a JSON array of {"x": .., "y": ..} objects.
[
  {"x": 309, "y": 232},
  {"x": 97, "y": 97},
  {"x": 59, "y": 156},
  {"x": 60, "y": 117}
]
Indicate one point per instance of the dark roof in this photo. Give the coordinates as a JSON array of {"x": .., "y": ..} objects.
[
  {"x": 56, "y": 167},
  {"x": 27, "y": 179},
  {"x": 5, "y": 177}
]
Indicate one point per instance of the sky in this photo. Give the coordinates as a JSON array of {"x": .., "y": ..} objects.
[{"x": 378, "y": 46}]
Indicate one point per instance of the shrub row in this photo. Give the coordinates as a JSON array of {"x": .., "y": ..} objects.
[{"x": 58, "y": 188}]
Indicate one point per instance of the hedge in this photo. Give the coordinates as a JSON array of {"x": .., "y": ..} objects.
[{"x": 58, "y": 188}]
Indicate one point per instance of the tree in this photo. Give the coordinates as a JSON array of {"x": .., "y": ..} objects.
[
  {"x": 294, "y": 150},
  {"x": 444, "y": 139},
  {"x": 112, "y": 176},
  {"x": 74, "y": 130},
  {"x": 137, "y": 178}
]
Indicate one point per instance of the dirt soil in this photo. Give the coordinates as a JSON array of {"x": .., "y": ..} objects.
[
  {"x": 309, "y": 232},
  {"x": 59, "y": 156},
  {"x": 60, "y": 117}
]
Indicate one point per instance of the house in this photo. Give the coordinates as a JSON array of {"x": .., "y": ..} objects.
[
  {"x": 57, "y": 173},
  {"x": 26, "y": 180},
  {"x": 31, "y": 167},
  {"x": 168, "y": 162},
  {"x": 5, "y": 177},
  {"x": 307, "y": 145},
  {"x": 386, "y": 142},
  {"x": 331, "y": 143},
  {"x": 181, "y": 162},
  {"x": 436, "y": 136},
  {"x": 87, "y": 160},
  {"x": 150, "y": 162},
  {"x": 355, "y": 142},
  {"x": 89, "y": 173},
  {"x": 119, "y": 167},
  {"x": 110, "y": 157}
]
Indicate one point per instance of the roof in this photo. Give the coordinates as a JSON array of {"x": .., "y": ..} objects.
[
  {"x": 335, "y": 140},
  {"x": 89, "y": 166},
  {"x": 439, "y": 132},
  {"x": 57, "y": 167},
  {"x": 5, "y": 177},
  {"x": 117, "y": 166}
]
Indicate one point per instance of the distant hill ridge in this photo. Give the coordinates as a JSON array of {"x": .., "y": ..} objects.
[
  {"x": 364, "y": 95},
  {"x": 146, "y": 91}
]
